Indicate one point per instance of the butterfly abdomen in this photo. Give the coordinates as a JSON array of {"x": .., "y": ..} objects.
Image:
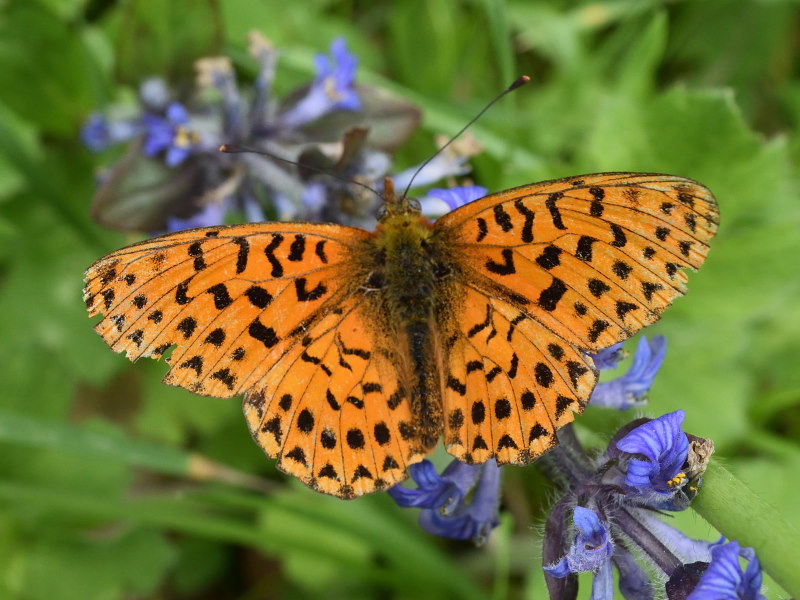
[{"x": 411, "y": 275}]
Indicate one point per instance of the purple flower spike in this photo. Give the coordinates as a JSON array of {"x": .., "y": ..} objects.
[
  {"x": 724, "y": 580},
  {"x": 442, "y": 497},
  {"x": 333, "y": 87},
  {"x": 628, "y": 390},
  {"x": 665, "y": 446},
  {"x": 590, "y": 551},
  {"x": 454, "y": 197}
]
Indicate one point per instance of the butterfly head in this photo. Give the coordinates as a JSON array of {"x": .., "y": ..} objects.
[{"x": 396, "y": 205}]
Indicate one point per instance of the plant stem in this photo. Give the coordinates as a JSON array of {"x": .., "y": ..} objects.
[{"x": 741, "y": 515}]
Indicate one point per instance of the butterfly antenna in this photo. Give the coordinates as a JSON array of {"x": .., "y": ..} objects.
[
  {"x": 520, "y": 81},
  {"x": 233, "y": 149}
]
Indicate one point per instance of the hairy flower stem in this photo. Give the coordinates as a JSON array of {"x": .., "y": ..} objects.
[
  {"x": 640, "y": 535},
  {"x": 567, "y": 464}
]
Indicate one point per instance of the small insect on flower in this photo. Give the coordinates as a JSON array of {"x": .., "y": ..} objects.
[{"x": 357, "y": 351}]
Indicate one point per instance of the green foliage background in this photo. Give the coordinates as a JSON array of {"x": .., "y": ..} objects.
[{"x": 114, "y": 486}]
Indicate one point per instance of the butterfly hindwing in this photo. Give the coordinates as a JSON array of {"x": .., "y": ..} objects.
[
  {"x": 511, "y": 383},
  {"x": 333, "y": 410}
]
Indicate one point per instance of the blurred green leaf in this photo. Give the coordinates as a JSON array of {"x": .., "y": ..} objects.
[
  {"x": 51, "y": 89},
  {"x": 164, "y": 39},
  {"x": 106, "y": 566}
]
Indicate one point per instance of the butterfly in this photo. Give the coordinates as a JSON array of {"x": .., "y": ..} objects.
[{"x": 358, "y": 351}]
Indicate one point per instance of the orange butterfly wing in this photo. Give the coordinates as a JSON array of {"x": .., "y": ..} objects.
[
  {"x": 334, "y": 409},
  {"x": 550, "y": 271},
  {"x": 267, "y": 309}
]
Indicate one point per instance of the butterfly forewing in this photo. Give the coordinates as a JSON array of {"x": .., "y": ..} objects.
[
  {"x": 232, "y": 300},
  {"x": 592, "y": 258}
]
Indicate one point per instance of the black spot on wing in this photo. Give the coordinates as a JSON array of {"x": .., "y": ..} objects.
[
  {"x": 225, "y": 376},
  {"x": 478, "y": 327},
  {"x": 242, "y": 254},
  {"x": 196, "y": 252},
  {"x": 483, "y": 229},
  {"x": 507, "y": 267},
  {"x": 583, "y": 250},
  {"x": 549, "y": 258},
  {"x": 269, "y": 252},
  {"x": 187, "y": 327},
  {"x": 649, "y": 288},
  {"x": 216, "y": 337},
  {"x": 502, "y": 218},
  {"x": 262, "y": 333},
  {"x": 597, "y": 328},
  {"x": 619, "y": 236},
  {"x": 297, "y": 248},
  {"x": 623, "y": 308},
  {"x": 222, "y": 298},
  {"x": 180, "y": 292},
  {"x": 621, "y": 269},
  {"x": 304, "y": 295},
  {"x": 550, "y": 296},
  {"x": 527, "y": 228},
  {"x": 319, "y": 250},
  {"x": 555, "y": 214},
  {"x": 598, "y": 287},
  {"x": 457, "y": 386},
  {"x": 258, "y": 296}
]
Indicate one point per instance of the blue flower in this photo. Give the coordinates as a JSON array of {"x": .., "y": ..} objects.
[
  {"x": 444, "y": 164},
  {"x": 665, "y": 447},
  {"x": 453, "y": 197},
  {"x": 98, "y": 133},
  {"x": 628, "y": 390},
  {"x": 214, "y": 213},
  {"x": 724, "y": 580},
  {"x": 446, "y": 513},
  {"x": 607, "y": 358},
  {"x": 169, "y": 133},
  {"x": 333, "y": 87},
  {"x": 591, "y": 550}
]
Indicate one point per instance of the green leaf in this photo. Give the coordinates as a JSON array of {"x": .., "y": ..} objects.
[
  {"x": 164, "y": 38},
  {"x": 119, "y": 565},
  {"x": 52, "y": 89}
]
